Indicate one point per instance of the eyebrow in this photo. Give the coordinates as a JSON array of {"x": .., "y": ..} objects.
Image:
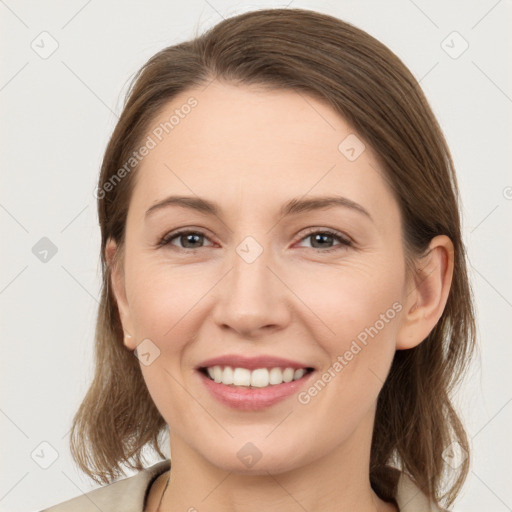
[{"x": 292, "y": 207}]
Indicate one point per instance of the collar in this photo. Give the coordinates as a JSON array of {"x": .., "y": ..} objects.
[{"x": 130, "y": 494}]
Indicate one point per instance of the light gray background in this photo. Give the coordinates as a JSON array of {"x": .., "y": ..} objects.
[{"x": 57, "y": 115}]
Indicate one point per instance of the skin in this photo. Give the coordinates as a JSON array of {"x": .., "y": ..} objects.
[{"x": 251, "y": 150}]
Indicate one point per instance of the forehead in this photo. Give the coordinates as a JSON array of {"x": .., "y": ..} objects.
[{"x": 252, "y": 145}]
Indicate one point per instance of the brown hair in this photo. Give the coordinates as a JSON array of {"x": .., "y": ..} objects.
[{"x": 371, "y": 88}]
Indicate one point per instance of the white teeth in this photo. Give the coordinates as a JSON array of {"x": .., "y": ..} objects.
[
  {"x": 227, "y": 375},
  {"x": 241, "y": 377},
  {"x": 276, "y": 376},
  {"x": 299, "y": 373},
  {"x": 259, "y": 378},
  {"x": 288, "y": 374},
  {"x": 217, "y": 373}
]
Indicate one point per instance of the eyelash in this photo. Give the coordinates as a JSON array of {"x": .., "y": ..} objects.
[{"x": 344, "y": 241}]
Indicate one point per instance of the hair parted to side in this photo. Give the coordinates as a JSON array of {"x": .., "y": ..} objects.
[{"x": 367, "y": 84}]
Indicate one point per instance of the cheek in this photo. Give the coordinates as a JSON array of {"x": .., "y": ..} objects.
[
  {"x": 162, "y": 298},
  {"x": 356, "y": 318},
  {"x": 351, "y": 298}
]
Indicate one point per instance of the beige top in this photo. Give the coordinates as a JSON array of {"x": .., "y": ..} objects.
[{"x": 130, "y": 495}]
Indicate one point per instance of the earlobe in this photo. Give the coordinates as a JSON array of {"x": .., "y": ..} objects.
[
  {"x": 119, "y": 291},
  {"x": 426, "y": 300}
]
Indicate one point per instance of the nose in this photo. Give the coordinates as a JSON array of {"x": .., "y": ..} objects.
[{"x": 253, "y": 298}]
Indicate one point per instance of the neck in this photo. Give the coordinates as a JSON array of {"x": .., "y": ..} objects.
[{"x": 335, "y": 482}]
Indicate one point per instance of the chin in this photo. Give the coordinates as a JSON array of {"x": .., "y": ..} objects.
[{"x": 249, "y": 458}]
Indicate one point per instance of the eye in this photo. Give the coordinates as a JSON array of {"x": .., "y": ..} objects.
[
  {"x": 187, "y": 238},
  {"x": 323, "y": 240}
]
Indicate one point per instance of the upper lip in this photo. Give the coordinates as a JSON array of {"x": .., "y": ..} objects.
[{"x": 252, "y": 363}]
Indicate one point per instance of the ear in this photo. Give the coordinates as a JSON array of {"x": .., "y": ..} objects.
[
  {"x": 117, "y": 283},
  {"x": 427, "y": 293}
]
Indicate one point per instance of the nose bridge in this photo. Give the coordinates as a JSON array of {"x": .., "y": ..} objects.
[{"x": 252, "y": 295}]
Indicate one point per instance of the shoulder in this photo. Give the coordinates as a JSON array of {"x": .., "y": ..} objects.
[
  {"x": 128, "y": 494},
  {"x": 409, "y": 497}
]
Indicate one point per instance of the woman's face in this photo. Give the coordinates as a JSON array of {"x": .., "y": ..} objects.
[{"x": 268, "y": 275}]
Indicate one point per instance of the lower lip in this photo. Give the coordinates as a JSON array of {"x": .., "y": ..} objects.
[{"x": 253, "y": 399}]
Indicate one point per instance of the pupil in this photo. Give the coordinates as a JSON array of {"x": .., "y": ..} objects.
[
  {"x": 321, "y": 237},
  {"x": 189, "y": 237}
]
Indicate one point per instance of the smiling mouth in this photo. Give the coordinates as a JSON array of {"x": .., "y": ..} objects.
[{"x": 257, "y": 378}]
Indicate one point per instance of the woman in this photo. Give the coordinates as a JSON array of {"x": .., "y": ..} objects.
[{"x": 290, "y": 375}]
